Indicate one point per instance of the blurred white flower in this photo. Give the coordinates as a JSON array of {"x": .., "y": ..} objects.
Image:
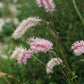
[
  {"x": 15, "y": 21},
  {"x": 2, "y": 22},
  {"x": 4, "y": 56},
  {"x": 15, "y": 1},
  {"x": 8, "y": 20},
  {"x": 1, "y": 5},
  {"x": 13, "y": 9}
]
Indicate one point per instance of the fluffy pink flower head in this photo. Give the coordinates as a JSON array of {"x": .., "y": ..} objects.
[
  {"x": 40, "y": 3},
  {"x": 49, "y": 5},
  {"x": 78, "y": 47},
  {"x": 39, "y": 45},
  {"x": 25, "y": 25},
  {"x": 52, "y": 63},
  {"x": 21, "y": 55}
]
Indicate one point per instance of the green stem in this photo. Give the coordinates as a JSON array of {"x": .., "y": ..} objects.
[
  {"x": 78, "y": 12},
  {"x": 7, "y": 80},
  {"x": 31, "y": 73},
  {"x": 63, "y": 71},
  {"x": 47, "y": 66},
  {"x": 59, "y": 66},
  {"x": 14, "y": 79},
  {"x": 60, "y": 48}
]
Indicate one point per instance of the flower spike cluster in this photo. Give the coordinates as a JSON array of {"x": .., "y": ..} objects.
[
  {"x": 25, "y": 25},
  {"x": 39, "y": 45},
  {"x": 78, "y": 47},
  {"x": 36, "y": 45},
  {"x": 49, "y": 5},
  {"x": 52, "y": 63},
  {"x": 21, "y": 55}
]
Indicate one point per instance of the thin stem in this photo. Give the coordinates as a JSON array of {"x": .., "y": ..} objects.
[
  {"x": 47, "y": 66},
  {"x": 14, "y": 78},
  {"x": 28, "y": 81},
  {"x": 53, "y": 22},
  {"x": 4, "y": 67},
  {"x": 31, "y": 73},
  {"x": 7, "y": 80},
  {"x": 60, "y": 48},
  {"x": 77, "y": 10},
  {"x": 60, "y": 67}
]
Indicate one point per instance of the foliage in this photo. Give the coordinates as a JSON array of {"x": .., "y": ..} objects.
[{"x": 70, "y": 29}]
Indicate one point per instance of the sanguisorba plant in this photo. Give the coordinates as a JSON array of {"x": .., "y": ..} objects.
[{"x": 41, "y": 45}]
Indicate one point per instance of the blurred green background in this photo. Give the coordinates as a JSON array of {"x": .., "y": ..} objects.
[{"x": 67, "y": 24}]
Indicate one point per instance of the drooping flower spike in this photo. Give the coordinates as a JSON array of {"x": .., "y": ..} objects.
[
  {"x": 78, "y": 47},
  {"x": 49, "y": 5},
  {"x": 21, "y": 55},
  {"x": 52, "y": 63},
  {"x": 25, "y": 25},
  {"x": 39, "y": 45}
]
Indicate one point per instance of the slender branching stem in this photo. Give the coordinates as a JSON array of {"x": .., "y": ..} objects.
[
  {"x": 60, "y": 48},
  {"x": 47, "y": 66},
  {"x": 14, "y": 79},
  {"x": 77, "y": 10},
  {"x": 65, "y": 73},
  {"x": 7, "y": 80}
]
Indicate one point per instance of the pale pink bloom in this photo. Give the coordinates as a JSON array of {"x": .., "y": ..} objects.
[
  {"x": 52, "y": 63},
  {"x": 15, "y": 1},
  {"x": 39, "y": 45},
  {"x": 40, "y": 3},
  {"x": 4, "y": 56},
  {"x": 1, "y": 5},
  {"x": 21, "y": 55},
  {"x": 78, "y": 47},
  {"x": 49, "y": 5},
  {"x": 25, "y": 25}
]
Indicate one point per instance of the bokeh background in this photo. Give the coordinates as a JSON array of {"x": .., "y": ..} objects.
[{"x": 67, "y": 24}]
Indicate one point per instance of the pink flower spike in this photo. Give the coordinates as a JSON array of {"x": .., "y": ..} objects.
[
  {"x": 52, "y": 63},
  {"x": 39, "y": 45},
  {"x": 40, "y": 3},
  {"x": 27, "y": 56},
  {"x": 21, "y": 55},
  {"x": 78, "y": 47},
  {"x": 49, "y": 5},
  {"x": 25, "y": 25}
]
